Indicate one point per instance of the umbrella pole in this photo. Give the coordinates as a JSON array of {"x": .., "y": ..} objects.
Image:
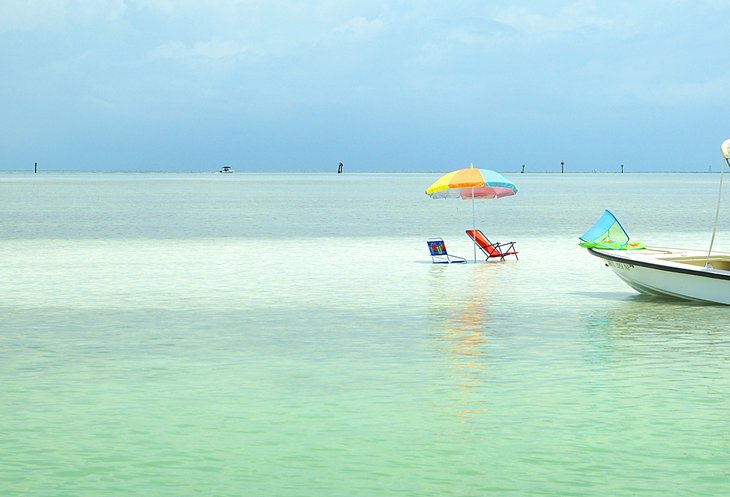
[{"x": 473, "y": 225}]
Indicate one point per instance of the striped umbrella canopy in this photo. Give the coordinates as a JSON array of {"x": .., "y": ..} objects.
[
  {"x": 465, "y": 183},
  {"x": 472, "y": 183}
]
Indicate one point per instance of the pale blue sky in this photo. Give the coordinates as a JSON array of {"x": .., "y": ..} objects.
[{"x": 378, "y": 85}]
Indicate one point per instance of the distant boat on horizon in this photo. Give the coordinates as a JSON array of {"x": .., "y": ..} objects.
[{"x": 227, "y": 169}]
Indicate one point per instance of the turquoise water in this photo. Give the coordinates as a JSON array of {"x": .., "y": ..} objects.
[{"x": 287, "y": 335}]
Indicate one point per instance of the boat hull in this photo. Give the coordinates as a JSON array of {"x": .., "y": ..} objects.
[{"x": 667, "y": 275}]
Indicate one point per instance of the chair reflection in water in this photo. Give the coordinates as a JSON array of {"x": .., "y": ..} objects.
[
  {"x": 492, "y": 250},
  {"x": 439, "y": 255}
]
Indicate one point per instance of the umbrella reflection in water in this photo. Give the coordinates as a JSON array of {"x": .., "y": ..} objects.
[{"x": 461, "y": 322}]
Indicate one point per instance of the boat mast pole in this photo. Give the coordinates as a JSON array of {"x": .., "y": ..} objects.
[{"x": 725, "y": 148}]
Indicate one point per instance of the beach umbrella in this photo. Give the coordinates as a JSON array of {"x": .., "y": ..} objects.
[{"x": 472, "y": 183}]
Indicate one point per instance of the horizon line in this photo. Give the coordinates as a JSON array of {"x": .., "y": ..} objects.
[{"x": 322, "y": 171}]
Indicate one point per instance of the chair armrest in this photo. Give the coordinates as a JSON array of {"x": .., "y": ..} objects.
[{"x": 504, "y": 244}]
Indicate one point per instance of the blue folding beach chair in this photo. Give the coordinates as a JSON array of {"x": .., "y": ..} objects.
[{"x": 439, "y": 255}]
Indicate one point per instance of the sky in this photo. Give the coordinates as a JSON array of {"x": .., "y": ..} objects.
[{"x": 420, "y": 85}]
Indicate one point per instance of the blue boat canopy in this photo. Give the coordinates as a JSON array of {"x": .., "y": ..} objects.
[{"x": 608, "y": 233}]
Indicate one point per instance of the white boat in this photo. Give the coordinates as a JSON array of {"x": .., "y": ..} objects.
[
  {"x": 671, "y": 272},
  {"x": 227, "y": 169},
  {"x": 688, "y": 274}
]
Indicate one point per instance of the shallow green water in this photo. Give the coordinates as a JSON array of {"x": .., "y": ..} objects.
[{"x": 287, "y": 335}]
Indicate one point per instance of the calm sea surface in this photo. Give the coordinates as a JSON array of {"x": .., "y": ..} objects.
[{"x": 286, "y": 335}]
